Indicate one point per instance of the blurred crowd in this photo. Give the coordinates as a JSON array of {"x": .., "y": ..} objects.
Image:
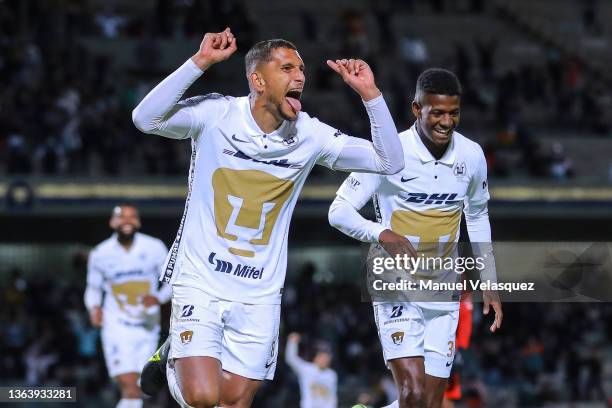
[
  {"x": 65, "y": 110},
  {"x": 545, "y": 352}
]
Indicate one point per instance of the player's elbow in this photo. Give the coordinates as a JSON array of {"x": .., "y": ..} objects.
[
  {"x": 393, "y": 166},
  {"x": 334, "y": 214},
  {"x": 142, "y": 122}
]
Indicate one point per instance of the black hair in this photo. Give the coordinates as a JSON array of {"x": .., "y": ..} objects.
[
  {"x": 124, "y": 204},
  {"x": 262, "y": 52},
  {"x": 437, "y": 81}
]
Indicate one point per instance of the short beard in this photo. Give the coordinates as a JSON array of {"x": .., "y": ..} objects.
[{"x": 125, "y": 238}]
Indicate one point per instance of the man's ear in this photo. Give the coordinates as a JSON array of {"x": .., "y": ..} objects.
[
  {"x": 416, "y": 109},
  {"x": 257, "y": 81}
]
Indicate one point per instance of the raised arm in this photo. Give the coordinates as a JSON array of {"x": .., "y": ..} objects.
[
  {"x": 291, "y": 354},
  {"x": 160, "y": 111},
  {"x": 384, "y": 154}
]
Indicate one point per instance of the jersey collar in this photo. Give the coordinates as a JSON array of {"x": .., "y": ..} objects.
[
  {"x": 134, "y": 242},
  {"x": 425, "y": 156},
  {"x": 253, "y": 129}
]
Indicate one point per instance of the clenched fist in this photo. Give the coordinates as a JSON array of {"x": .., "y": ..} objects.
[{"x": 215, "y": 47}]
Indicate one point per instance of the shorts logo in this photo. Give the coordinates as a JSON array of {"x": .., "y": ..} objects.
[
  {"x": 397, "y": 312},
  {"x": 187, "y": 311},
  {"x": 397, "y": 337},
  {"x": 186, "y": 336},
  {"x": 272, "y": 354}
]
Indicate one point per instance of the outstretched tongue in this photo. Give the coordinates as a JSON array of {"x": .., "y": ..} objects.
[{"x": 294, "y": 103}]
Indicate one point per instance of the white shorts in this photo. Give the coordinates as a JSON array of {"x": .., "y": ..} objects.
[
  {"x": 243, "y": 337},
  {"x": 126, "y": 348},
  {"x": 408, "y": 330}
]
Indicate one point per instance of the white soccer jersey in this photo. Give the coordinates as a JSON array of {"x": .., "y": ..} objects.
[
  {"x": 243, "y": 187},
  {"x": 425, "y": 201},
  {"x": 125, "y": 277},
  {"x": 318, "y": 388},
  {"x": 244, "y": 183}
]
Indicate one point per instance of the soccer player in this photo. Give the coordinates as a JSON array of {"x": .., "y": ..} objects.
[
  {"x": 122, "y": 297},
  {"x": 318, "y": 382},
  {"x": 445, "y": 174},
  {"x": 251, "y": 156}
]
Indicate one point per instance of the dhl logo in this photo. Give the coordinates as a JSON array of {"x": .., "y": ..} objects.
[{"x": 435, "y": 198}]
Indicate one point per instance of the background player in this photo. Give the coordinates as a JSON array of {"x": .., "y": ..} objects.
[
  {"x": 251, "y": 157},
  {"x": 122, "y": 297},
  {"x": 445, "y": 174},
  {"x": 318, "y": 382}
]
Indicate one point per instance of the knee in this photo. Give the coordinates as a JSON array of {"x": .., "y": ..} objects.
[
  {"x": 411, "y": 395},
  {"x": 198, "y": 396}
]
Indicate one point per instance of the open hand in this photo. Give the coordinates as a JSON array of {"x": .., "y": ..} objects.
[
  {"x": 357, "y": 74},
  {"x": 491, "y": 298}
]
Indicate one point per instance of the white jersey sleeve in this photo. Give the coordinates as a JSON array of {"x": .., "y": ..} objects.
[
  {"x": 352, "y": 195},
  {"x": 477, "y": 218},
  {"x": 95, "y": 282},
  {"x": 161, "y": 113},
  {"x": 478, "y": 190},
  {"x": 383, "y": 155}
]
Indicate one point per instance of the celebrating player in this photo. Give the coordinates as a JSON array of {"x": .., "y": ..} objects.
[
  {"x": 445, "y": 174},
  {"x": 318, "y": 382},
  {"x": 251, "y": 156},
  {"x": 122, "y": 297}
]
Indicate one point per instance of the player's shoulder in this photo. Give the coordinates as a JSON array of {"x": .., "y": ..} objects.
[
  {"x": 208, "y": 101},
  {"x": 406, "y": 137},
  {"x": 151, "y": 241},
  {"x": 311, "y": 124},
  {"x": 313, "y": 129},
  {"x": 103, "y": 249},
  {"x": 467, "y": 146},
  {"x": 209, "y": 98}
]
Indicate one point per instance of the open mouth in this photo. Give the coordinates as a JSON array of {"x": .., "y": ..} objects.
[
  {"x": 293, "y": 99},
  {"x": 443, "y": 132}
]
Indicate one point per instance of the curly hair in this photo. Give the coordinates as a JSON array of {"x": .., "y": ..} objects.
[{"x": 437, "y": 81}]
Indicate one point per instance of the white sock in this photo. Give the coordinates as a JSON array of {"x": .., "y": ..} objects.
[
  {"x": 129, "y": 403},
  {"x": 173, "y": 385},
  {"x": 394, "y": 404}
]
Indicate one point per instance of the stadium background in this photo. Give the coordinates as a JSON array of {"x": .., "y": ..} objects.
[{"x": 537, "y": 96}]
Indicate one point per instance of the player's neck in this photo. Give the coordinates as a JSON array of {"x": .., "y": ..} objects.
[
  {"x": 437, "y": 151},
  {"x": 264, "y": 118},
  {"x": 125, "y": 242}
]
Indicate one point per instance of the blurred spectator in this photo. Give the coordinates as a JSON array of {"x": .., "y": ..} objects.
[
  {"x": 413, "y": 51},
  {"x": 561, "y": 167}
]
